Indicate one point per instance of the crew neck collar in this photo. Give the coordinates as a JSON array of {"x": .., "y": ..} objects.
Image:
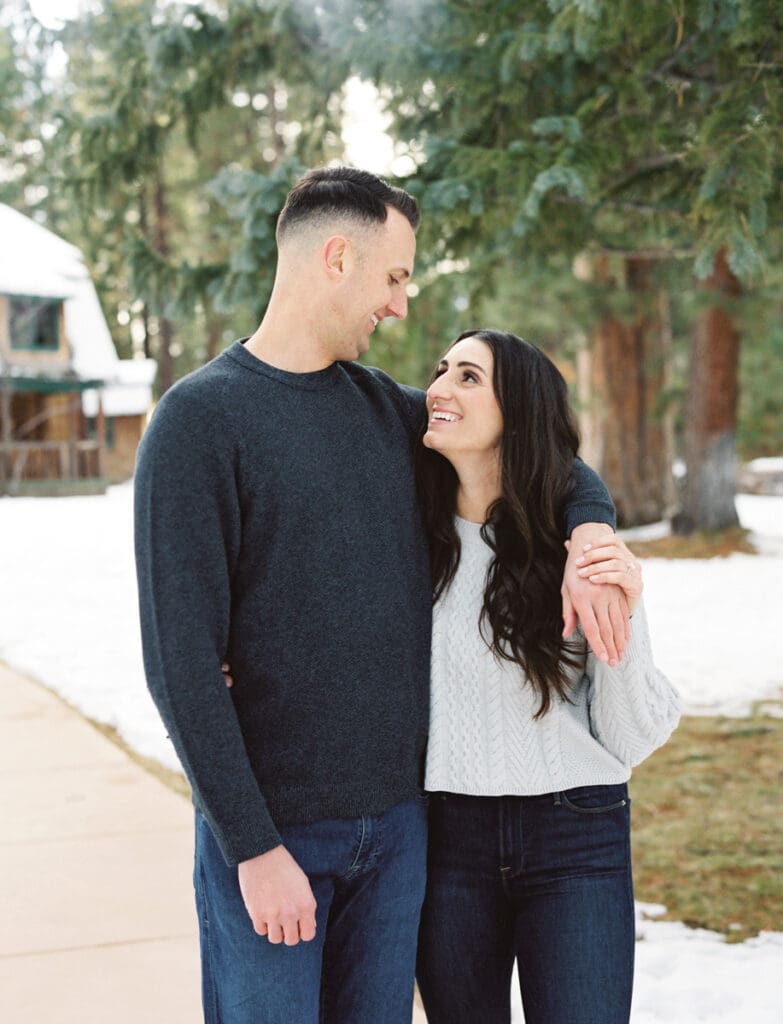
[
  {"x": 468, "y": 524},
  {"x": 310, "y": 380}
]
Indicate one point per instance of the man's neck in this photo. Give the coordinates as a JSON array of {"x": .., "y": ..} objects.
[{"x": 287, "y": 347}]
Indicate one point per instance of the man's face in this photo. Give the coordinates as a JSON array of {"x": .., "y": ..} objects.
[{"x": 375, "y": 286}]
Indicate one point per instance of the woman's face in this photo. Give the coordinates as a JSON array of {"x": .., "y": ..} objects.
[{"x": 464, "y": 415}]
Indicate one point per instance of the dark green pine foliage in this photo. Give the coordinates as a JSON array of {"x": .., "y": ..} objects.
[
  {"x": 558, "y": 126},
  {"x": 25, "y": 99},
  {"x": 181, "y": 128},
  {"x": 605, "y": 129}
]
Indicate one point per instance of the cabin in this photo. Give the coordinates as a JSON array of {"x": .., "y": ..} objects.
[{"x": 71, "y": 411}]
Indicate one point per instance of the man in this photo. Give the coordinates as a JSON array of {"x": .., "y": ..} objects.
[{"x": 277, "y": 528}]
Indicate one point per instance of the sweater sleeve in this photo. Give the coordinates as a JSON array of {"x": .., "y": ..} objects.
[
  {"x": 187, "y": 538},
  {"x": 589, "y": 501},
  {"x": 633, "y": 708}
]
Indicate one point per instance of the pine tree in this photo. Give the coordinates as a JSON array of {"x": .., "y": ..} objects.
[
  {"x": 599, "y": 130},
  {"x": 149, "y": 90}
]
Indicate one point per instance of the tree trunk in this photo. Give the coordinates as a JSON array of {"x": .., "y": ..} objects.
[
  {"x": 711, "y": 412},
  {"x": 214, "y": 337},
  {"x": 166, "y": 335},
  {"x": 144, "y": 226},
  {"x": 621, "y": 379}
]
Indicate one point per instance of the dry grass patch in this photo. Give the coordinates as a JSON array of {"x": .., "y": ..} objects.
[
  {"x": 697, "y": 545},
  {"x": 707, "y": 827}
]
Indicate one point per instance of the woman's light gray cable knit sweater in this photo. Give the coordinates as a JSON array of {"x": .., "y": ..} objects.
[{"x": 483, "y": 738}]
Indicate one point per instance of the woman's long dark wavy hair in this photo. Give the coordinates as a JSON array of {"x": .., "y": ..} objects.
[{"x": 525, "y": 527}]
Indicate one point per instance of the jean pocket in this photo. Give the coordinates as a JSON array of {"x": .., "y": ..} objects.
[{"x": 594, "y": 799}]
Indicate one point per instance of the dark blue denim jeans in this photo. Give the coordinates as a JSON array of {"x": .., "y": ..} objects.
[
  {"x": 543, "y": 879},
  {"x": 367, "y": 876}
]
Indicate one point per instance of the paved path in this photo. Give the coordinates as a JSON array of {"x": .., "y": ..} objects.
[{"x": 96, "y": 922}]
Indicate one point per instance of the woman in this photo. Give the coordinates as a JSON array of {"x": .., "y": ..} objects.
[{"x": 532, "y": 739}]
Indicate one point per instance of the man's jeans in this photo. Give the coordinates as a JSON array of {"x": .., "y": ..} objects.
[
  {"x": 367, "y": 876},
  {"x": 545, "y": 879}
]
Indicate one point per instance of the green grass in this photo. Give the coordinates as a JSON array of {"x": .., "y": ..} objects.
[{"x": 708, "y": 827}]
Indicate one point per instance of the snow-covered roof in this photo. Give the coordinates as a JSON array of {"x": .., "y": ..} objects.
[
  {"x": 130, "y": 390},
  {"x": 34, "y": 261}
]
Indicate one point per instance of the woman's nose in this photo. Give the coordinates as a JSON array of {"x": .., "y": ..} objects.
[{"x": 439, "y": 389}]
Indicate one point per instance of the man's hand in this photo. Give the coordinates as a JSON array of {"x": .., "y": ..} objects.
[
  {"x": 278, "y": 896},
  {"x": 602, "y": 610}
]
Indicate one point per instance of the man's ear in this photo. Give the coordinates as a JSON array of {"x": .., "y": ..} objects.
[{"x": 335, "y": 255}]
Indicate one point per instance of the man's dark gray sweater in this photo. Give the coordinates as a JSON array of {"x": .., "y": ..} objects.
[{"x": 277, "y": 528}]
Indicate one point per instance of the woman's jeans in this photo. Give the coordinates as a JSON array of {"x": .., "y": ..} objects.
[
  {"x": 367, "y": 875},
  {"x": 543, "y": 879}
]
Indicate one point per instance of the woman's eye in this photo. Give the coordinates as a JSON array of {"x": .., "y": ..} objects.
[{"x": 470, "y": 376}]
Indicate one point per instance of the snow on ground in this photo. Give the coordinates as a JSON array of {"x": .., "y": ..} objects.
[
  {"x": 714, "y": 622},
  {"x": 689, "y": 975},
  {"x": 767, "y": 465},
  {"x": 68, "y": 617},
  {"x": 68, "y": 612}
]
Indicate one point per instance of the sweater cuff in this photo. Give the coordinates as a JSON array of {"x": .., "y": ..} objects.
[{"x": 589, "y": 512}]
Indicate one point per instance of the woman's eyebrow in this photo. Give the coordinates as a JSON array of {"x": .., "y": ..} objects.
[{"x": 464, "y": 362}]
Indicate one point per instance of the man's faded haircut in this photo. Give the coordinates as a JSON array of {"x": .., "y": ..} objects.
[{"x": 328, "y": 192}]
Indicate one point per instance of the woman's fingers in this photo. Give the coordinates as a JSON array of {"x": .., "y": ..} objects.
[
  {"x": 618, "y": 614},
  {"x": 618, "y": 577},
  {"x": 610, "y": 565},
  {"x": 592, "y": 553},
  {"x": 613, "y": 563}
]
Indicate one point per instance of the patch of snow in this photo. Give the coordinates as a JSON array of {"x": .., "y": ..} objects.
[
  {"x": 68, "y": 617},
  {"x": 770, "y": 464}
]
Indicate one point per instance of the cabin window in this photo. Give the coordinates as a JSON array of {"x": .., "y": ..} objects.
[
  {"x": 92, "y": 430},
  {"x": 34, "y": 323}
]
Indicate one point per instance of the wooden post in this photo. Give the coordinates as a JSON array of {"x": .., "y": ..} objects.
[
  {"x": 6, "y": 430},
  {"x": 100, "y": 435},
  {"x": 73, "y": 436}
]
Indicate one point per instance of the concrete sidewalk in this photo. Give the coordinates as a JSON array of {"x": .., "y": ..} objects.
[
  {"x": 97, "y": 919},
  {"x": 97, "y": 922}
]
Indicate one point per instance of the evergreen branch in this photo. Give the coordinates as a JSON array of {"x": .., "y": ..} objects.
[
  {"x": 644, "y": 167},
  {"x": 677, "y": 56},
  {"x": 650, "y": 253},
  {"x": 632, "y": 207}
]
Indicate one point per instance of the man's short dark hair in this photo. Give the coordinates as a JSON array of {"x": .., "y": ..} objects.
[{"x": 344, "y": 191}]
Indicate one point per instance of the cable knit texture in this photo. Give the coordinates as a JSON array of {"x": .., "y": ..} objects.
[{"x": 484, "y": 739}]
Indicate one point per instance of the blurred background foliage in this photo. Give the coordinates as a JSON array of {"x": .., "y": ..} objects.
[{"x": 604, "y": 178}]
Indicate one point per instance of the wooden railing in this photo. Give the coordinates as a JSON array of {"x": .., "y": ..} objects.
[{"x": 48, "y": 460}]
